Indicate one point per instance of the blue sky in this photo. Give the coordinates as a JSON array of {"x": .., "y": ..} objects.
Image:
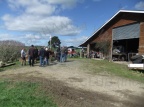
[{"x": 73, "y": 21}]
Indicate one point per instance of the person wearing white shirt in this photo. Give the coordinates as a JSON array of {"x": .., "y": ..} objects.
[{"x": 23, "y": 57}]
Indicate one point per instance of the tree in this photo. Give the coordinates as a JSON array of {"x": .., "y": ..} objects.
[
  {"x": 55, "y": 42},
  {"x": 103, "y": 46}
]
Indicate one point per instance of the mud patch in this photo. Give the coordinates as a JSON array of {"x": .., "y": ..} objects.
[
  {"x": 132, "y": 100},
  {"x": 135, "y": 101},
  {"x": 125, "y": 92},
  {"x": 142, "y": 87},
  {"x": 112, "y": 82},
  {"x": 74, "y": 79}
]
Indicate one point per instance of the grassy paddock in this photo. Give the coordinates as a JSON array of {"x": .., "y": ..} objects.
[
  {"x": 23, "y": 94},
  {"x": 104, "y": 66}
]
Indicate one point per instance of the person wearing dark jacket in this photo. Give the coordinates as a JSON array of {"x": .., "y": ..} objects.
[
  {"x": 35, "y": 54},
  {"x": 31, "y": 55},
  {"x": 42, "y": 54}
]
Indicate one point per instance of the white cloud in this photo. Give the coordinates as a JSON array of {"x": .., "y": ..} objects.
[
  {"x": 41, "y": 9},
  {"x": 37, "y": 15},
  {"x": 38, "y": 4},
  {"x": 75, "y": 41},
  {"x": 140, "y": 5},
  {"x": 37, "y": 39},
  {"x": 36, "y": 7},
  {"x": 27, "y": 39},
  {"x": 52, "y": 24},
  {"x": 41, "y": 39},
  {"x": 65, "y": 3},
  {"x": 6, "y": 36}
]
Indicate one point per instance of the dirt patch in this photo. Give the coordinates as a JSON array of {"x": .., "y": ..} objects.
[
  {"x": 74, "y": 79},
  {"x": 71, "y": 87},
  {"x": 132, "y": 100},
  {"x": 66, "y": 96},
  {"x": 70, "y": 97}
]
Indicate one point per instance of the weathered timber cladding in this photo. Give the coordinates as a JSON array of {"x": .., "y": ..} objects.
[
  {"x": 141, "y": 40},
  {"x": 123, "y": 22},
  {"x": 107, "y": 34}
]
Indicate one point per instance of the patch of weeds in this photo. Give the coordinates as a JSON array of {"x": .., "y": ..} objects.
[
  {"x": 22, "y": 94},
  {"x": 104, "y": 66}
]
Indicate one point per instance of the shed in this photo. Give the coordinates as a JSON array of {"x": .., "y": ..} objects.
[{"x": 125, "y": 30}]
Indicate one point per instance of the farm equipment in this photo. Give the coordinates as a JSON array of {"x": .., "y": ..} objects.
[{"x": 118, "y": 54}]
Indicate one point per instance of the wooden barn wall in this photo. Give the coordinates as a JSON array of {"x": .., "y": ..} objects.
[
  {"x": 141, "y": 40},
  {"x": 108, "y": 33}
]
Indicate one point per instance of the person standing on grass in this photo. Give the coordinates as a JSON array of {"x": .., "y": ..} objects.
[
  {"x": 31, "y": 55},
  {"x": 42, "y": 56},
  {"x": 23, "y": 57}
]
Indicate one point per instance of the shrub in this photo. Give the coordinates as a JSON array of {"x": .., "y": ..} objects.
[{"x": 10, "y": 50}]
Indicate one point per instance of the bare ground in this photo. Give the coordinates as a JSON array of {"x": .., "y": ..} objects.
[{"x": 72, "y": 87}]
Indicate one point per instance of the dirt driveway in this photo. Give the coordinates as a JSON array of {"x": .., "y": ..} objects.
[{"x": 72, "y": 87}]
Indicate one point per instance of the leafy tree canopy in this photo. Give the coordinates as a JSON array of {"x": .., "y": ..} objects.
[{"x": 55, "y": 42}]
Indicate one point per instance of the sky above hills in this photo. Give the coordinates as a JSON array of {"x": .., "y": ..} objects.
[{"x": 73, "y": 21}]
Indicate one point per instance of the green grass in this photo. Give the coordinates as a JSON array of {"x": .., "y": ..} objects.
[
  {"x": 23, "y": 94},
  {"x": 104, "y": 66}
]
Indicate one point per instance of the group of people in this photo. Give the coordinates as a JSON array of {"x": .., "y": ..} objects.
[
  {"x": 43, "y": 55},
  {"x": 61, "y": 54},
  {"x": 33, "y": 54}
]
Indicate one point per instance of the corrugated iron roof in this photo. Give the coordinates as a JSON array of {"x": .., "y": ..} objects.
[{"x": 129, "y": 31}]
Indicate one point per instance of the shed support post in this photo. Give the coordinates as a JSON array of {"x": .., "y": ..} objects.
[
  {"x": 88, "y": 50},
  {"x": 141, "y": 39}
]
